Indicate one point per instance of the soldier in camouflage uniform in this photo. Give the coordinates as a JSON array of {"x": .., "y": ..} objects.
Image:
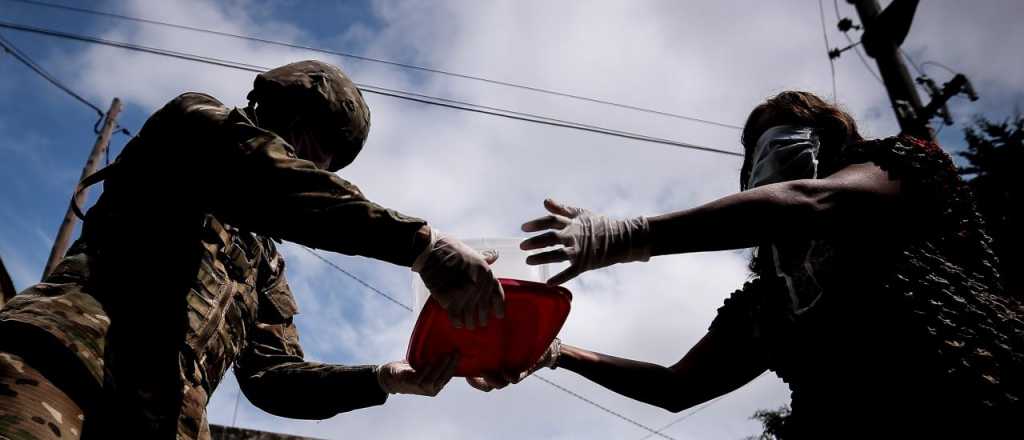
[{"x": 176, "y": 276}]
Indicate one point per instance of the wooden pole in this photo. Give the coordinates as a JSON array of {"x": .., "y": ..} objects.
[
  {"x": 898, "y": 83},
  {"x": 67, "y": 227}
]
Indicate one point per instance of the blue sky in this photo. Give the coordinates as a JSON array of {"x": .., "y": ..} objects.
[{"x": 479, "y": 177}]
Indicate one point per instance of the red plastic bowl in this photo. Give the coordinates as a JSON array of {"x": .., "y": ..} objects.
[{"x": 534, "y": 314}]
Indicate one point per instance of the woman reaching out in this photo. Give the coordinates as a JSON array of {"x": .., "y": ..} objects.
[{"x": 873, "y": 293}]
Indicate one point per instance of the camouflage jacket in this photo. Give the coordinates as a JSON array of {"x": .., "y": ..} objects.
[
  {"x": 175, "y": 279},
  {"x": 911, "y": 321}
]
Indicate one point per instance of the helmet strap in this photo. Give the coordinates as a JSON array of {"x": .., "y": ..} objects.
[{"x": 251, "y": 111}]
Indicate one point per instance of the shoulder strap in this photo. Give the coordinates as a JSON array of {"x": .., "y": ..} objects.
[{"x": 88, "y": 181}]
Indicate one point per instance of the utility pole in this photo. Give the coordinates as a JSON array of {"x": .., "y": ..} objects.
[
  {"x": 67, "y": 227},
  {"x": 884, "y": 32}
]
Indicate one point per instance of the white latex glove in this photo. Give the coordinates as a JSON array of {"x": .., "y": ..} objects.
[
  {"x": 461, "y": 280},
  {"x": 400, "y": 378},
  {"x": 589, "y": 241},
  {"x": 493, "y": 382}
]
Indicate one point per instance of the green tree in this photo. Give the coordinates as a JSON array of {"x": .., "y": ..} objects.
[
  {"x": 774, "y": 422},
  {"x": 995, "y": 156}
]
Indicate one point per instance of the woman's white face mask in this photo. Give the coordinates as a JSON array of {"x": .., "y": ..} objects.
[{"x": 782, "y": 153}]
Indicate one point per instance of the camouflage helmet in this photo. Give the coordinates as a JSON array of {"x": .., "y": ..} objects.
[{"x": 329, "y": 104}]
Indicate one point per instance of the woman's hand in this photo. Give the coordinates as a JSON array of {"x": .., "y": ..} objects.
[
  {"x": 400, "y": 378},
  {"x": 589, "y": 241},
  {"x": 487, "y": 383}
]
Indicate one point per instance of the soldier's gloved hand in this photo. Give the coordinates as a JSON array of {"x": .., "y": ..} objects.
[
  {"x": 589, "y": 241},
  {"x": 549, "y": 359},
  {"x": 460, "y": 278},
  {"x": 400, "y": 378}
]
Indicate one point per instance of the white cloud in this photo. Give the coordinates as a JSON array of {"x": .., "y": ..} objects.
[{"x": 480, "y": 176}]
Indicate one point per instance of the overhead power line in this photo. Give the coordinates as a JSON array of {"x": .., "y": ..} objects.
[
  {"x": 693, "y": 412},
  {"x": 22, "y": 57},
  {"x": 911, "y": 61},
  {"x": 353, "y": 276},
  {"x": 651, "y": 432},
  {"x": 939, "y": 65},
  {"x": 379, "y": 61},
  {"x": 685, "y": 416},
  {"x": 828, "y": 50},
  {"x": 383, "y": 91},
  {"x": 408, "y": 308}
]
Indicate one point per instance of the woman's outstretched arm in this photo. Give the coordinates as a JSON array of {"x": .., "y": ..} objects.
[
  {"x": 861, "y": 195},
  {"x": 857, "y": 199},
  {"x": 713, "y": 367}
]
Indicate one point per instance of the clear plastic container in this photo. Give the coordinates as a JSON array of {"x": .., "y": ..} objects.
[{"x": 511, "y": 264}]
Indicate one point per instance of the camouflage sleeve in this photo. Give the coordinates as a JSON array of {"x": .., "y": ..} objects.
[
  {"x": 274, "y": 376},
  {"x": 272, "y": 192}
]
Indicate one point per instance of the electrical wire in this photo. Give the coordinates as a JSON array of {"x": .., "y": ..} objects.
[
  {"x": 22, "y": 57},
  {"x": 695, "y": 411},
  {"x": 381, "y": 61},
  {"x": 651, "y": 432},
  {"x": 939, "y": 65},
  {"x": 357, "y": 279},
  {"x": 529, "y": 117},
  {"x": 911, "y": 61},
  {"x": 383, "y": 91},
  {"x": 863, "y": 59},
  {"x": 408, "y": 308},
  {"x": 234, "y": 414},
  {"x": 685, "y": 416},
  {"x": 828, "y": 48},
  {"x": 947, "y": 69},
  {"x": 920, "y": 74},
  {"x": 27, "y": 61},
  {"x": 920, "y": 71}
]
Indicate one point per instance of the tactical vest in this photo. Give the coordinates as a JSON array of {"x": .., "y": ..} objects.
[
  {"x": 232, "y": 288},
  {"x": 224, "y": 301}
]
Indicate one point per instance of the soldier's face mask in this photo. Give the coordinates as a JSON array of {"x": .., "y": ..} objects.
[
  {"x": 308, "y": 147},
  {"x": 319, "y": 144},
  {"x": 782, "y": 153}
]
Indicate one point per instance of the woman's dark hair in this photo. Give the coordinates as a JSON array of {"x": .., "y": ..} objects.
[{"x": 835, "y": 127}]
